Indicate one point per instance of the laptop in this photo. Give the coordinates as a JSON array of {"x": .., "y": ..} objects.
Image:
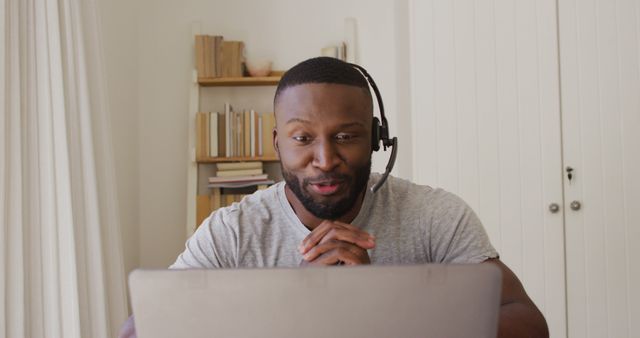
[{"x": 338, "y": 301}]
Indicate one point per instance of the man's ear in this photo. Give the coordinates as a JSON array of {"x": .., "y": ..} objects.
[{"x": 275, "y": 142}]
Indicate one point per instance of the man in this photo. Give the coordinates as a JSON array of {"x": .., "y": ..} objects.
[{"x": 324, "y": 214}]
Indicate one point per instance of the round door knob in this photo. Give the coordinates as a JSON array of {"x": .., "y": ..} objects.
[
  {"x": 554, "y": 207},
  {"x": 576, "y": 205}
]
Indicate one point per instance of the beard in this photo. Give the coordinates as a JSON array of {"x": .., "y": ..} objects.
[{"x": 329, "y": 210}]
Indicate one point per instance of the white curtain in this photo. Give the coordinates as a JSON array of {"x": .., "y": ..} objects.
[{"x": 61, "y": 257}]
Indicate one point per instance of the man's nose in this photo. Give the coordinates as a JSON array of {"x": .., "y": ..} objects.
[{"x": 326, "y": 157}]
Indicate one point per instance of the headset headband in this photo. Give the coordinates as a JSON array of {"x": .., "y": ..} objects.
[{"x": 384, "y": 125}]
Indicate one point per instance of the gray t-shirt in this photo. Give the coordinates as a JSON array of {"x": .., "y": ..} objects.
[{"x": 412, "y": 224}]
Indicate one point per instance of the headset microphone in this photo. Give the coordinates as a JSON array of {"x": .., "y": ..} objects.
[
  {"x": 387, "y": 171},
  {"x": 380, "y": 132}
]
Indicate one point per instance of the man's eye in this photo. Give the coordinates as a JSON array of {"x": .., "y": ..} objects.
[
  {"x": 345, "y": 137},
  {"x": 302, "y": 138}
]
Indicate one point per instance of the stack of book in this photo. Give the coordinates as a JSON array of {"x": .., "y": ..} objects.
[
  {"x": 218, "y": 58},
  {"x": 239, "y": 175},
  {"x": 243, "y": 133}
]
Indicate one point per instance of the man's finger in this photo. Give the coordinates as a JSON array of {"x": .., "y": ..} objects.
[
  {"x": 315, "y": 236},
  {"x": 359, "y": 237},
  {"x": 324, "y": 229},
  {"x": 343, "y": 255},
  {"x": 323, "y": 248},
  {"x": 350, "y": 226}
]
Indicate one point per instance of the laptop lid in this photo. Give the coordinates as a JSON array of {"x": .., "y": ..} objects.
[{"x": 362, "y": 301}]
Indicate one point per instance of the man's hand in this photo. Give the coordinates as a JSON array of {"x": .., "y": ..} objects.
[{"x": 334, "y": 243}]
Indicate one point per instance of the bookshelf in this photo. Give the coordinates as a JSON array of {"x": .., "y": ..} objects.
[
  {"x": 236, "y": 159},
  {"x": 205, "y": 95},
  {"x": 270, "y": 80}
]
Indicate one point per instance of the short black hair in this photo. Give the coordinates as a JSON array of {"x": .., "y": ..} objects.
[{"x": 322, "y": 69}]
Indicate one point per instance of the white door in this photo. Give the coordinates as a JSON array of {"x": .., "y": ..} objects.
[
  {"x": 600, "y": 79},
  {"x": 486, "y": 119}
]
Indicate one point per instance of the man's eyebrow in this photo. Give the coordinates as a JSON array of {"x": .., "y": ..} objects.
[
  {"x": 344, "y": 125},
  {"x": 352, "y": 124},
  {"x": 295, "y": 119}
]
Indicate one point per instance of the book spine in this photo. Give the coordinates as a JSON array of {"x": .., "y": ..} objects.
[
  {"x": 239, "y": 165},
  {"x": 269, "y": 124},
  {"x": 222, "y": 135},
  {"x": 239, "y": 138},
  {"x": 216, "y": 201},
  {"x": 212, "y": 56},
  {"x": 213, "y": 134},
  {"x": 199, "y": 136},
  {"x": 203, "y": 208},
  {"x": 218, "y": 64},
  {"x": 238, "y": 172},
  {"x": 199, "y": 55},
  {"x": 207, "y": 56},
  {"x": 228, "y": 119},
  {"x": 228, "y": 199},
  {"x": 205, "y": 136},
  {"x": 260, "y": 136},
  {"x": 246, "y": 129},
  {"x": 253, "y": 133}
]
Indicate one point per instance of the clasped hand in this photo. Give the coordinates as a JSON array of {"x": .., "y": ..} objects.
[{"x": 333, "y": 243}]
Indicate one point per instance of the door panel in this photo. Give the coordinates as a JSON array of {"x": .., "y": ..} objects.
[
  {"x": 601, "y": 118},
  {"x": 486, "y": 112}
]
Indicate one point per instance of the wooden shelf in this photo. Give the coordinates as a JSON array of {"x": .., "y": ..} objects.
[
  {"x": 236, "y": 159},
  {"x": 270, "y": 80}
]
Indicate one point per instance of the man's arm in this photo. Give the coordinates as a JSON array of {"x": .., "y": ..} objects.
[{"x": 519, "y": 316}]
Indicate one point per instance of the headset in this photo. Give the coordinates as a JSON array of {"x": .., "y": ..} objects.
[{"x": 380, "y": 131}]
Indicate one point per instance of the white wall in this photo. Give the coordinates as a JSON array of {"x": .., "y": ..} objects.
[{"x": 149, "y": 59}]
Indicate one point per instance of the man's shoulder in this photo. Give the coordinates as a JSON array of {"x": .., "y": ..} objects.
[
  {"x": 402, "y": 191},
  {"x": 396, "y": 187},
  {"x": 262, "y": 204}
]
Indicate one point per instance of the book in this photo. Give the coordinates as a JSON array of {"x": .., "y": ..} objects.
[
  {"x": 268, "y": 123},
  {"x": 203, "y": 208},
  {"x": 245, "y": 184},
  {"x": 260, "y": 140},
  {"x": 228, "y": 136},
  {"x": 222, "y": 135},
  {"x": 215, "y": 199},
  {"x": 198, "y": 135},
  {"x": 240, "y": 127},
  {"x": 228, "y": 199},
  {"x": 239, "y": 165},
  {"x": 238, "y": 134},
  {"x": 226, "y": 59},
  {"x": 253, "y": 133},
  {"x": 246, "y": 132},
  {"x": 199, "y": 54},
  {"x": 211, "y": 60},
  {"x": 218, "y": 51},
  {"x": 202, "y": 149},
  {"x": 213, "y": 134},
  {"x": 205, "y": 134},
  {"x": 246, "y": 178},
  {"x": 207, "y": 56},
  {"x": 232, "y": 58},
  {"x": 238, "y": 172}
]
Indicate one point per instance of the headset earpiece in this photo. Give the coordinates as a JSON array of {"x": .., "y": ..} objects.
[
  {"x": 375, "y": 134},
  {"x": 380, "y": 132}
]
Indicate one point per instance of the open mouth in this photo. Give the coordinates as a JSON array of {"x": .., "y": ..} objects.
[{"x": 325, "y": 188}]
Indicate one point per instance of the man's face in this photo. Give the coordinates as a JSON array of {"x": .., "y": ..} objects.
[{"x": 323, "y": 138}]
